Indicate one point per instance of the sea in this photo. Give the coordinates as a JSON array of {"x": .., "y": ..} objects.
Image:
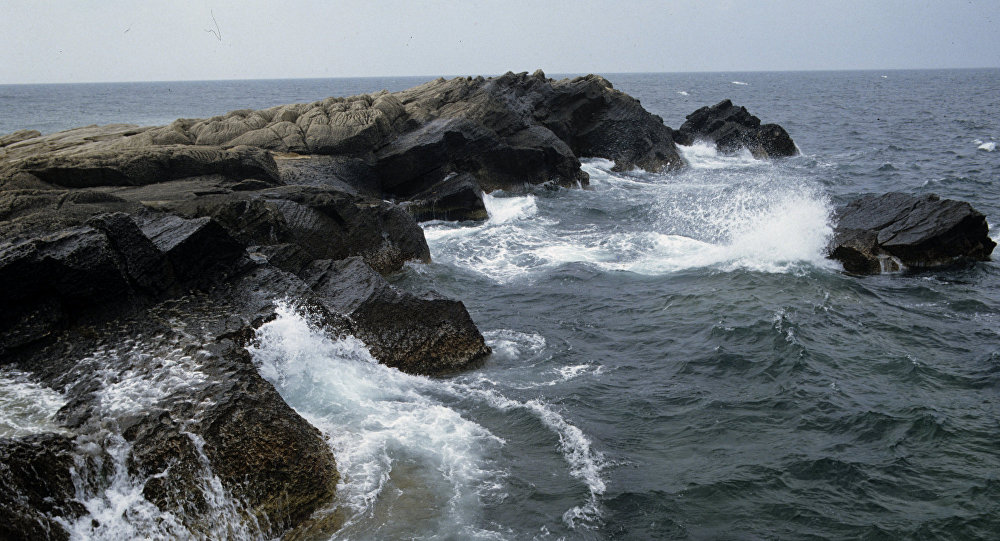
[{"x": 673, "y": 355}]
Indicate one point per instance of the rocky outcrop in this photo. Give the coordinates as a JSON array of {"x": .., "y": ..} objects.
[
  {"x": 732, "y": 128},
  {"x": 496, "y": 133},
  {"x": 897, "y": 231}
]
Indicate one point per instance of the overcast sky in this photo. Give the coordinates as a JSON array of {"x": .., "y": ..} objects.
[{"x": 112, "y": 40}]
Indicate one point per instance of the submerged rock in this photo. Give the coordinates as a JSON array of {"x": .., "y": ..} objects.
[
  {"x": 733, "y": 128},
  {"x": 896, "y": 231}
]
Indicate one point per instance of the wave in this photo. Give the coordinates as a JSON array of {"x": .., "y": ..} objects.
[
  {"x": 741, "y": 83},
  {"x": 410, "y": 461},
  {"x": 988, "y": 146},
  {"x": 727, "y": 212},
  {"x": 682, "y": 92}
]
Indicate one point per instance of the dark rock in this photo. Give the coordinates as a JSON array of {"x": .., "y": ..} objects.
[
  {"x": 457, "y": 197},
  {"x": 52, "y": 278},
  {"x": 147, "y": 165},
  {"x": 420, "y": 335},
  {"x": 733, "y": 128},
  {"x": 143, "y": 263},
  {"x": 895, "y": 231},
  {"x": 333, "y": 225},
  {"x": 36, "y": 487},
  {"x": 199, "y": 250},
  {"x": 596, "y": 120}
]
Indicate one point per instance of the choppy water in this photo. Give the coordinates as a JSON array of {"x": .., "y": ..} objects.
[{"x": 673, "y": 356}]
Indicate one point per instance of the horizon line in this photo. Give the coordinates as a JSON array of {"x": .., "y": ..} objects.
[{"x": 432, "y": 77}]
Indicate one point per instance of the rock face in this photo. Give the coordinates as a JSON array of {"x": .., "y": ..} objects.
[
  {"x": 495, "y": 133},
  {"x": 895, "y": 231},
  {"x": 733, "y": 128}
]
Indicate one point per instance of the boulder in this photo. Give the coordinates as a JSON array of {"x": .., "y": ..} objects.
[
  {"x": 732, "y": 128},
  {"x": 897, "y": 231},
  {"x": 428, "y": 335}
]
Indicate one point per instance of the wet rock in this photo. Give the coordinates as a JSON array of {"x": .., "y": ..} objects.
[
  {"x": 36, "y": 487},
  {"x": 421, "y": 335},
  {"x": 457, "y": 198},
  {"x": 896, "y": 231},
  {"x": 733, "y": 128}
]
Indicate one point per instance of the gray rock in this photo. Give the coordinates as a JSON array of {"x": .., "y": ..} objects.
[{"x": 895, "y": 231}]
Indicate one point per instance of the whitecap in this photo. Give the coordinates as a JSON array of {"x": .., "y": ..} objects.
[
  {"x": 988, "y": 146},
  {"x": 741, "y": 83},
  {"x": 682, "y": 92}
]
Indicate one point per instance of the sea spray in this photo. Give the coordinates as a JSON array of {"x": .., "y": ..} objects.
[{"x": 726, "y": 212}]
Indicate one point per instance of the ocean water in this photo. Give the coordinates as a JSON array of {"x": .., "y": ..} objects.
[{"x": 673, "y": 358}]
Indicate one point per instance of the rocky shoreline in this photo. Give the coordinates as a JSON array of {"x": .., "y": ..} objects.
[{"x": 146, "y": 258}]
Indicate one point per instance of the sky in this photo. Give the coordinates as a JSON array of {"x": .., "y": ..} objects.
[{"x": 60, "y": 41}]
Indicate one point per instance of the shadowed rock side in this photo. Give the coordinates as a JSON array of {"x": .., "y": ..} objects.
[
  {"x": 733, "y": 128},
  {"x": 897, "y": 231}
]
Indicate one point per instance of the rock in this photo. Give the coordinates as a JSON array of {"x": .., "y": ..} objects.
[
  {"x": 427, "y": 335},
  {"x": 181, "y": 413},
  {"x": 200, "y": 251},
  {"x": 18, "y": 136},
  {"x": 457, "y": 198},
  {"x": 54, "y": 277},
  {"x": 596, "y": 120},
  {"x": 333, "y": 225},
  {"x": 896, "y": 231},
  {"x": 143, "y": 165},
  {"x": 733, "y": 128},
  {"x": 36, "y": 487}
]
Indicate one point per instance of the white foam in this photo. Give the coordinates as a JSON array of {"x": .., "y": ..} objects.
[
  {"x": 988, "y": 146},
  {"x": 509, "y": 344},
  {"x": 741, "y": 83},
  {"x": 704, "y": 155},
  {"x": 119, "y": 511},
  {"x": 507, "y": 209},
  {"x": 682, "y": 92},
  {"x": 386, "y": 430},
  {"x": 26, "y": 407}
]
